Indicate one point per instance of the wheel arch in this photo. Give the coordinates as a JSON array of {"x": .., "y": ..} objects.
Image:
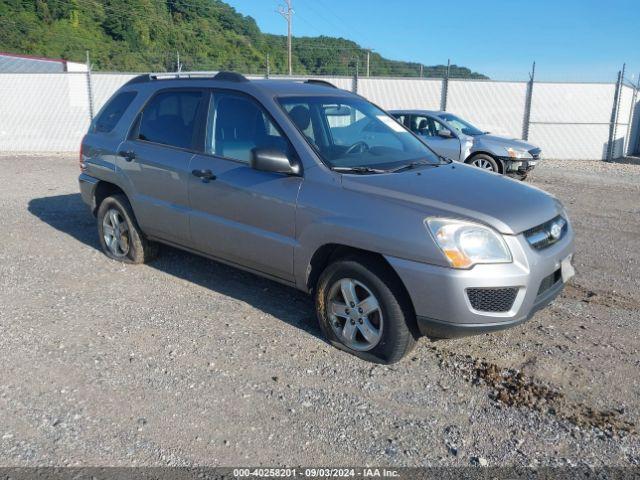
[
  {"x": 330, "y": 252},
  {"x": 103, "y": 190}
]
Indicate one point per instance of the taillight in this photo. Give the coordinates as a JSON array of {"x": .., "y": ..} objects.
[{"x": 81, "y": 163}]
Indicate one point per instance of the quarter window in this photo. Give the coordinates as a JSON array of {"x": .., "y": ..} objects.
[
  {"x": 113, "y": 111},
  {"x": 237, "y": 125},
  {"x": 170, "y": 118}
]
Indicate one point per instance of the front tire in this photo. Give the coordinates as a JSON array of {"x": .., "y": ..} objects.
[
  {"x": 484, "y": 162},
  {"x": 120, "y": 236},
  {"x": 362, "y": 309}
]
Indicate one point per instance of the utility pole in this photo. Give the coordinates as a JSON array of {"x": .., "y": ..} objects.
[
  {"x": 268, "y": 67},
  {"x": 287, "y": 12},
  {"x": 178, "y": 64},
  {"x": 89, "y": 87},
  {"x": 421, "y": 70},
  {"x": 526, "y": 121},
  {"x": 368, "y": 62}
]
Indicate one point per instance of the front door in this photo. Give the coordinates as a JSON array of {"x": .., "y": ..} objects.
[
  {"x": 237, "y": 213},
  {"x": 428, "y": 127},
  {"x": 155, "y": 162}
]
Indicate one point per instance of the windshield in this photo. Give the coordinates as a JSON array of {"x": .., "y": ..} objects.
[
  {"x": 460, "y": 125},
  {"x": 353, "y": 133}
]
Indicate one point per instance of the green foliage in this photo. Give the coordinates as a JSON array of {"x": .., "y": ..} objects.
[{"x": 144, "y": 35}]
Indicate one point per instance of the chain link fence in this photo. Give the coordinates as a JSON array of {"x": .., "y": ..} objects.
[{"x": 51, "y": 112}]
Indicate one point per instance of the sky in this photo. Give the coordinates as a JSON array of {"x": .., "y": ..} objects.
[{"x": 570, "y": 40}]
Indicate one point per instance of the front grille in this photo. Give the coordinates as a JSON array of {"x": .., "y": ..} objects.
[
  {"x": 547, "y": 234},
  {"x": 535, "y": 153},
  {"x": 492, "y": 299},
  {"x": 549, "y": 281}
]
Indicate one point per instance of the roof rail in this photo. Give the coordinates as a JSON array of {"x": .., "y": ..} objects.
[
  {"x": 320, "y": 82},
  {"x": 139, "y": 79},
  {"x": 230, "y": 77},
  {"x": 224, "y": 76}
]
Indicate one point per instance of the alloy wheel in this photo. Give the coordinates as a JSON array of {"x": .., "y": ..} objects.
[
  {"x": 484, "y": 164},
  {"x": 355, "y": 314},
  {"x": 116, "y": 233}
]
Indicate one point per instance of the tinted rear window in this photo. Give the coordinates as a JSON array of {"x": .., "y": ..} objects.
[
  {"x": 170, "y": 118},
  {"x": 112, "y": 113}
]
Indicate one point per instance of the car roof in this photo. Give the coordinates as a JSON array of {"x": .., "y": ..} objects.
[
  {"x": 236, "y": 81},
  {"x": 417, "y": 112}
]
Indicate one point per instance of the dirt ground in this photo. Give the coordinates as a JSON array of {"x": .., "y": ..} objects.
[{"x": 189, "y": 362}]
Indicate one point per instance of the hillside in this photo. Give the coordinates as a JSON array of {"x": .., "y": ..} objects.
[{"x": 144, "y": 35}]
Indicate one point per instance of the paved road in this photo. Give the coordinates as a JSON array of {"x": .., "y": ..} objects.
[{"x": 186, "y": 361}]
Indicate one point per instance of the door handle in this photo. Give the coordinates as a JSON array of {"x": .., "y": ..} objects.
[
  {"x": 205, "y": 175},
  {"x": 128, "y": 155}
]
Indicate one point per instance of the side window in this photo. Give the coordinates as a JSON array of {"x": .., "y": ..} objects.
[
  {"x": 401, "y": 118},
  {"x": 170, "y": 118},
  {"x": 237, "y": 124},
  {"x": 113, "y": 111},
  {"x": 300, "y": 114},
  {"x": 426, "y": 126}
]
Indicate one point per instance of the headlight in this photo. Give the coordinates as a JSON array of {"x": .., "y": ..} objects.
[
  {"x": 466, "y": 243},
  {"x": 519, "y": 153}
]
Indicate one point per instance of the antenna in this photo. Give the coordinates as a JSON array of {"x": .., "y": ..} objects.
[{"x": 287, "y": 12}]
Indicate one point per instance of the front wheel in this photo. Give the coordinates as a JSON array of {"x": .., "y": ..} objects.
[
  {"x": 485, "y": 162},
  {"x": 363, "y": 310}
]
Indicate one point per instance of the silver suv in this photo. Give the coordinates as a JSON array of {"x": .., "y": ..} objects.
[
  {"x": 452, "y": 137},
  {"x": 319, "y": 189}
]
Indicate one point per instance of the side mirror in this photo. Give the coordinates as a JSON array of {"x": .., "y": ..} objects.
[
  {"x": 445, "y": 133},
  {"x": 273, "y": 160}
]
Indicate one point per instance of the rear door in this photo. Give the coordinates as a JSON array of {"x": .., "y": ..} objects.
[
  {"x": 155, "y": 160},
  {"x": 428, "y": 127},
  {"x": 237, "y": 213}
]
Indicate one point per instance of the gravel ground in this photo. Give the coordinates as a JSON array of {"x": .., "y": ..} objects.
[{"x": 189, "y": 362}]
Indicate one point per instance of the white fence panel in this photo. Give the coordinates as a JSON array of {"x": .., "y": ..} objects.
[
  {"x": 43, "y": 112},
  {"x": 571, "y": 120},
  {"x": 570, "y": 142},
  {"x": 402, "y": 93},
  {"x": 50, "y": 112},
  {"x": 572, "y": 102},
  {"x": 497, "y": 107}
]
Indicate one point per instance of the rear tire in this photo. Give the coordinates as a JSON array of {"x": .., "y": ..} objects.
[
  {"x": 379, "y": 324},
  {"x": 484, "y": 162},
  {"x": 120, "y": 236}
]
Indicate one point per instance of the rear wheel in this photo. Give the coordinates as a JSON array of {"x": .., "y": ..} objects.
[
  {"x": 120, "y": 235},
  {"x": 363, "y": 310},
  {"x": 485, "y": 162}
]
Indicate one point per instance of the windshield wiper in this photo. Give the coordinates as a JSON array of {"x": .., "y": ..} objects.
[
  {"x": 410, "y": 165},
  {"x": 360, "y": 170},
  {"x": 445, "y": 160}
]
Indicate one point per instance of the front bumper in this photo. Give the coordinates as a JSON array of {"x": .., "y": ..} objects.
[
  {"x": 518, "y": 166},
  {"x": 442, "y": 305}
]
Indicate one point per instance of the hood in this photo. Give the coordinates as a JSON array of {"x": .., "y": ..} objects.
[
  {"x": 504, "y": 142},
  {"x": 459, "y": 190}
]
